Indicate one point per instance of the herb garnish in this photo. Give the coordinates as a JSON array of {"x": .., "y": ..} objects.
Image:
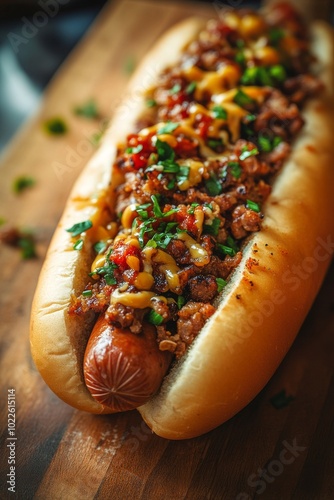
[
  {"x": 88, "y": 110},
  {"x": 154, "y": 318},
  {"x": 219, "y": 112},
  {"x": 252, "y": 205},
  {"x": 213, "y": 185},
  {"x": 242, "y": 99},
  {"x": 221, "y": 284},
  {"x": 212, "y": 228},
  {"x": 281, "y": 400},
  {"x": 107, "y": 271},
  {"x": 168, "y": 128},
  {"x": 191, "y": 87},
  {"x": 23, "y": 182},
  {"x": 246, "y": 153},
  {"x": 80, "y": 227},
  {"x": 55, "y": 126}
]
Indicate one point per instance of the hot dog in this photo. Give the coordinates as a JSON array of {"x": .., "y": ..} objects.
[{"x": 179, "y": 265}]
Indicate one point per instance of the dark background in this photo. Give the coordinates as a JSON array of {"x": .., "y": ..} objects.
[{"x": 34, "y": 41}]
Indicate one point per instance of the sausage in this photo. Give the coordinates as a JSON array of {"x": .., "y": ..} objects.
[{"x": 123, "y": 370}]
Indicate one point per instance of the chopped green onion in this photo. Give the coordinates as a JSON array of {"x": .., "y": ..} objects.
[
  {"x": 151, "y": 103},
  {"x": 155, "y": 318},
  {"x": 191, "y": 87},
  {"x": 253, "y": 206},
  {"x": 23, "y": 182},
  {"x": 235, "y": 169},
  {"x": 278, "y": 73},
  {"x": 232, "y": 243},
  {"x": 80, "y": 227},
  {"x": 55, "y": 126},
  {"x": 165, "y": 151},
  {"x": 264, "y": 144},
  {"x": 221, "y": 284},
  {"x": 135, "y": 150},
  {"x": 88, "y": 110},
  {"x": 168, "y": 128},
  {"x": 215, "y": 143},
  {"x": 180, "y": 301},
  {"x": 226, "y": 250},
  {"x": 129, "y": 65},
  {"x": 78, "y": 245},
  {"x": 212, "y": 185},
  {"x": 240, "y": 58},
  {"x": 276, "y": 35},
  {"x": 219, "y": 112},
  {"x": 242, "y": 99},
  {"x": 212, "y": 228},
  {"x": 100, "y": 246},
  {"x": 175, "y": 89},
  {"x": 27, "y": 245},
  {"x": 87, "y": 293},
  {"x": 246, "y": 153},
  {"x": 183, "y": 174},
  {"x": 156, "y": 207}
]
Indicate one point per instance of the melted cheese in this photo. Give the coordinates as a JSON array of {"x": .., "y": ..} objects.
[
  {"x": 139, "y": 300},
  {"x": 196, "y": 170},
  {"x": 213, "y": 82},
  {"x": 198, "y": 254}
]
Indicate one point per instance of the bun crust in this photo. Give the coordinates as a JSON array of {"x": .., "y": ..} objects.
[
  {"x": 243, "y": 343},
  {"x": 58, "y": 356}
]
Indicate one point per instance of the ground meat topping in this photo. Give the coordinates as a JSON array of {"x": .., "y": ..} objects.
[{"x": 197, "y": 172}]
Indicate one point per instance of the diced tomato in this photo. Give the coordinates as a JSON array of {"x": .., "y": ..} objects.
[
  {"x": 203, "y": 125},
  {"x": 120, "y": 253}
]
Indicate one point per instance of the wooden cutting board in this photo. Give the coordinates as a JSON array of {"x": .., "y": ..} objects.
[{"x": 61, "y": 453}]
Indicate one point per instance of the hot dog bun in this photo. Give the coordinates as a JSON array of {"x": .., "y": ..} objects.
[{"x": 261, "y": 309}]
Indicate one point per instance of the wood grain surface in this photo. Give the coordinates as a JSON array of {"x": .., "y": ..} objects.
[{"x": 60, "y": 453}]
